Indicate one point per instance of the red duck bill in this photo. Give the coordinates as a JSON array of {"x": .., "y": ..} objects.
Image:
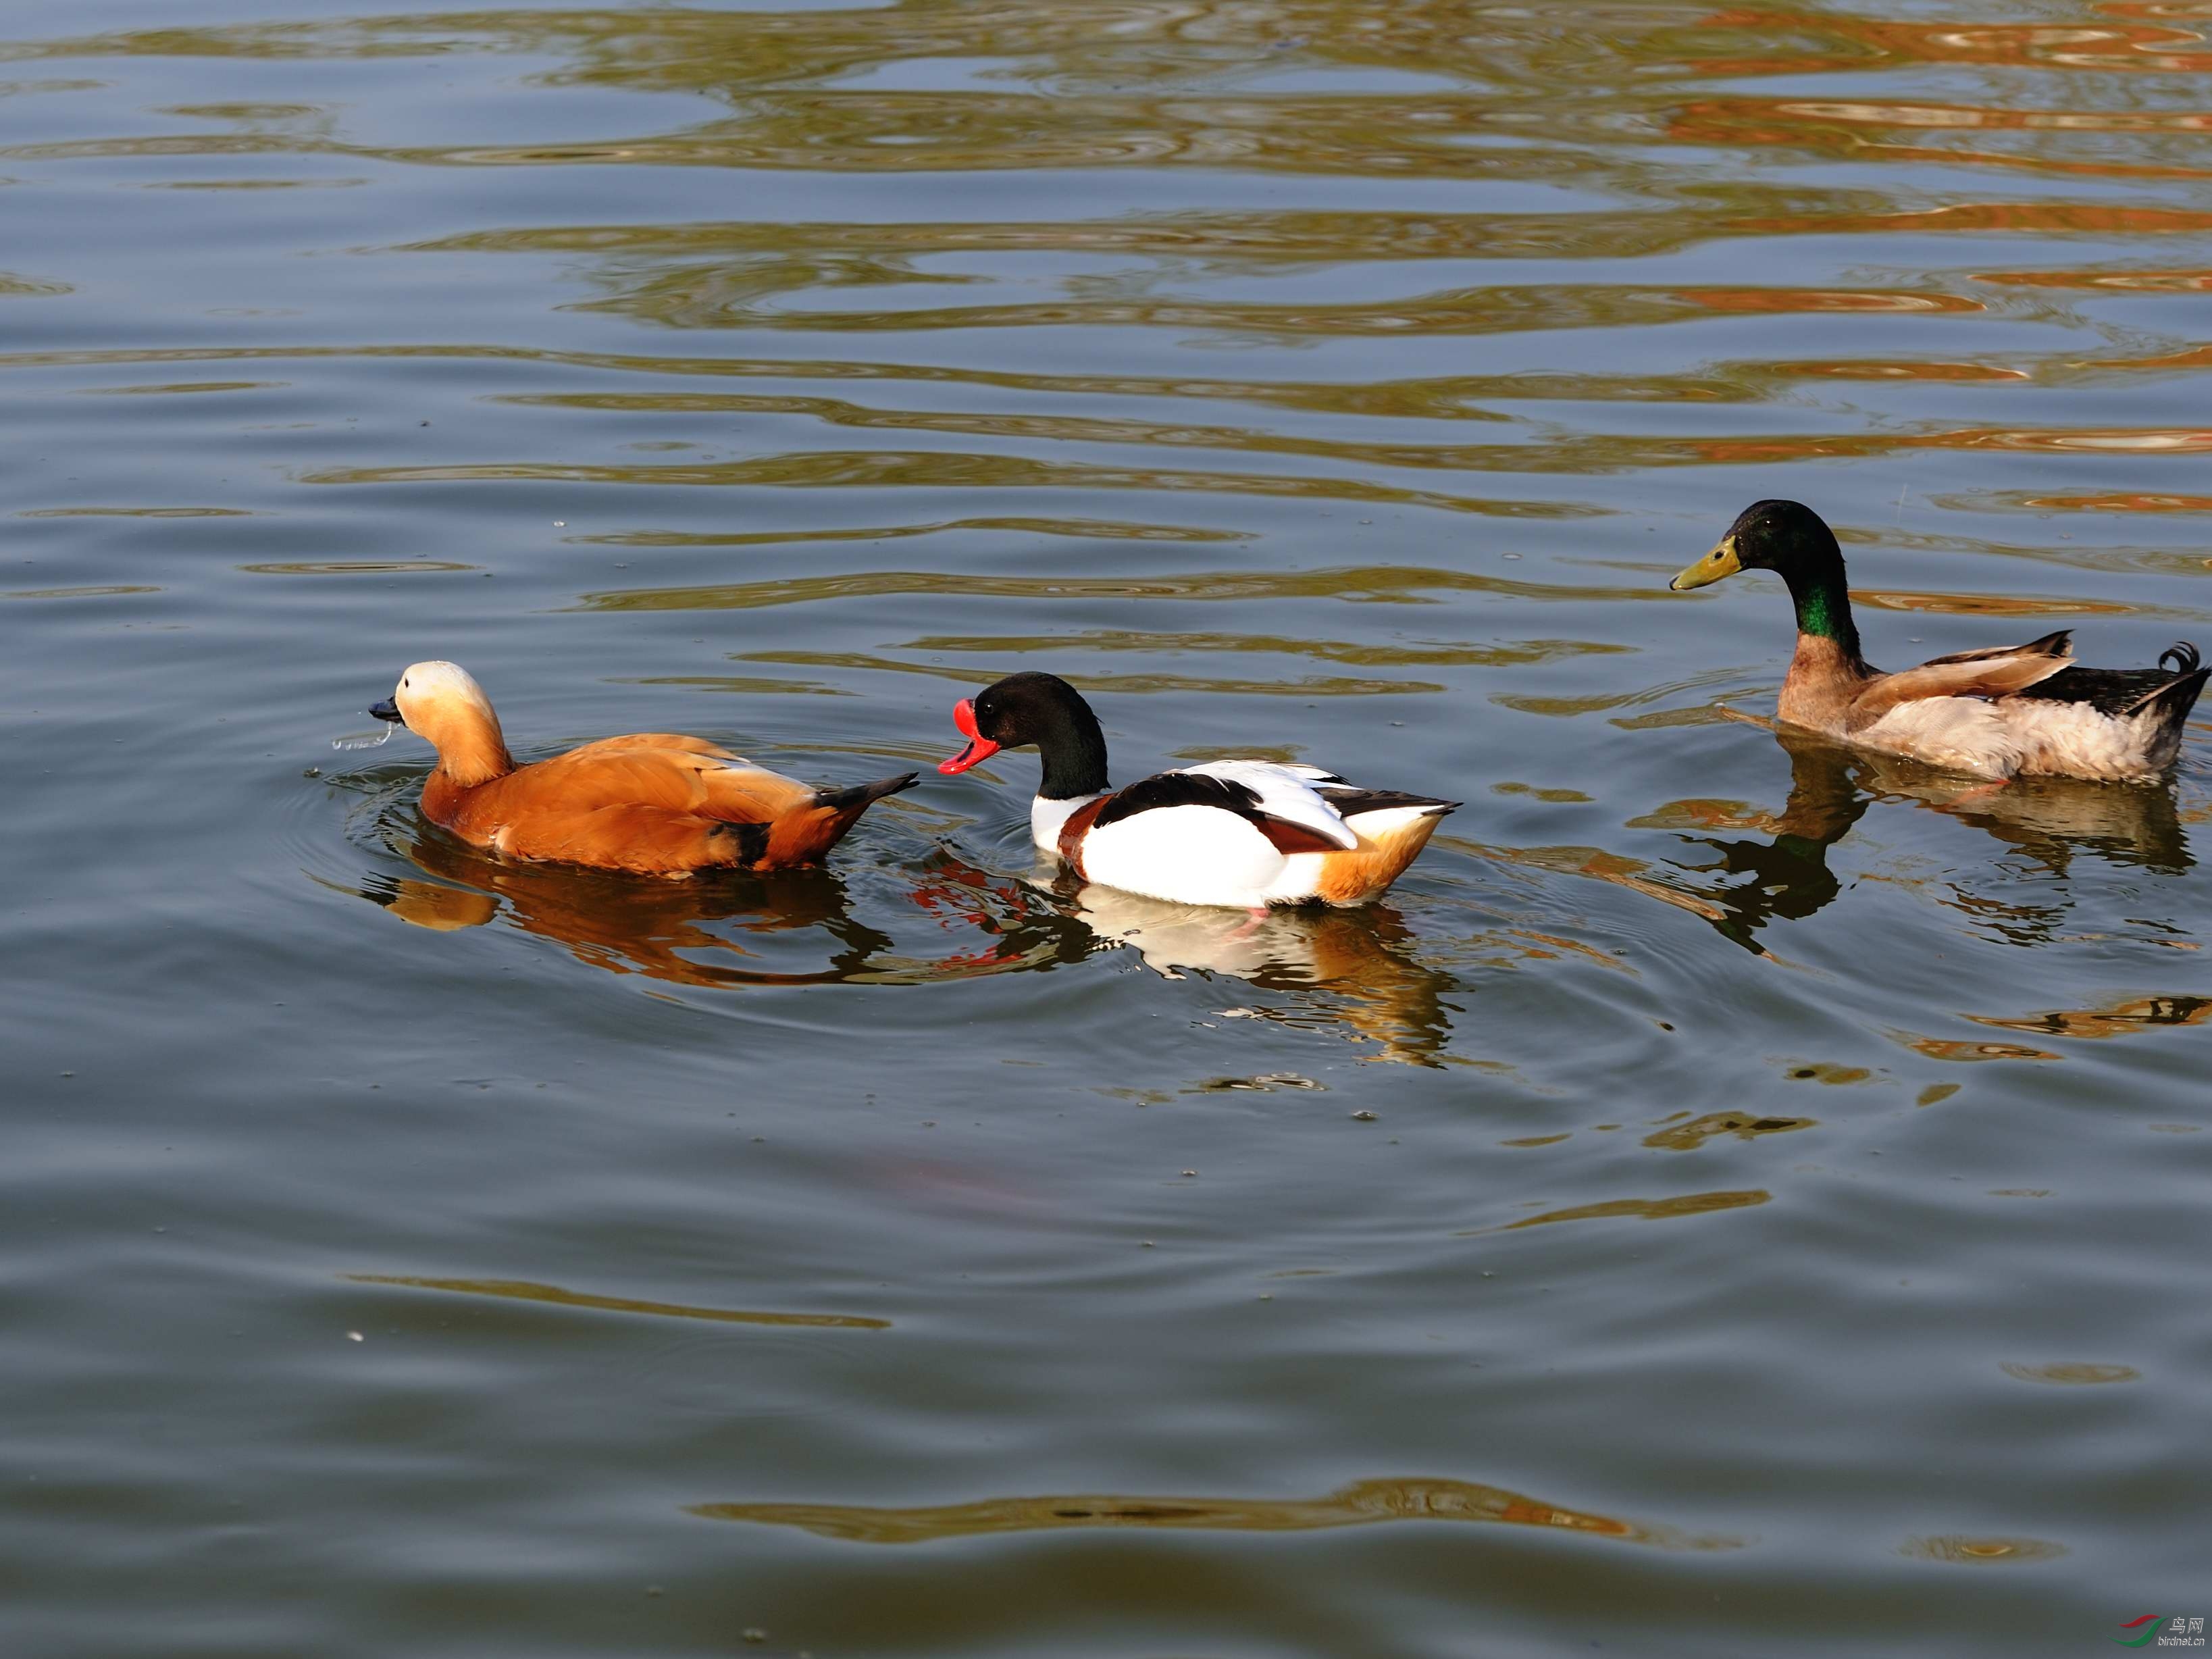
[{"x": 980, "y": 748}]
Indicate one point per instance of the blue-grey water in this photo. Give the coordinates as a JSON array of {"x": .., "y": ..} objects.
[{"x": 1734, "y": 1198}]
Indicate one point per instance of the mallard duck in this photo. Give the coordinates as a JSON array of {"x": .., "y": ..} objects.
[
  {"x": 1232, "y": 832},
  {"x": 653, "y": 803},
  {"x": 2006, "y": 711}
]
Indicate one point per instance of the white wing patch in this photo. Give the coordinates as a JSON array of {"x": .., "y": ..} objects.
[{"x": 1286, "y": 792}]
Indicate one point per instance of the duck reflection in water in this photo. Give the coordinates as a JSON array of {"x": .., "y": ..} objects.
[
  {"x": 685, "y": 932},
  {"x": 701, "y": 931},
  {"x": 696, "y": 932},
  {"x": 1831, "y": 787},
  {"x": 1351, "y": 971}
]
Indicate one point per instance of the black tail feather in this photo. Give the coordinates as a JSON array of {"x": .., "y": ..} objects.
[
  {"x": 2173, "y": 700},
  {"x": 2171, "y": 688},
  {"x": 1350, "y": 802},
  {"x": 861, "y": 793}
]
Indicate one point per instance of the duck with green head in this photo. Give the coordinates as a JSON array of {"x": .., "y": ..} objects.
[{"x": 1998, "y": 712}]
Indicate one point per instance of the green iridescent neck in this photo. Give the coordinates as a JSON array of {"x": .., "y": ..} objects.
[{"x": 1824, "y": 603}]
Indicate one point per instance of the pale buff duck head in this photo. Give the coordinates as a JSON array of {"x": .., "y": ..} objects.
[{"x": 442, "y": 703}]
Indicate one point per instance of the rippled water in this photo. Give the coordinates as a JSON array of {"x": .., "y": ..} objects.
[{"x": 1734, "y": 1198}]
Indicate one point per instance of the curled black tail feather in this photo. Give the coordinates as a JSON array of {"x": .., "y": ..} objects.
[
  {"x": 2173, "y": 701},
  {"x": 2182, "y": 655}
]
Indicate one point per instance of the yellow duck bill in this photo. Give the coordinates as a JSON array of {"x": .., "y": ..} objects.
[{"x": 1721, "y": 561}]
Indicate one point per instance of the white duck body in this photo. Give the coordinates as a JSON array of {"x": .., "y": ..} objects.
[
  {"x": 1247, "y": 833},
  {"x": 2017, "y": 737},
  {"x": 1197, "y": 853}
]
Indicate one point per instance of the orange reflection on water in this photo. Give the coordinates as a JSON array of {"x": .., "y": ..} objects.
[
  {"x": 523, "y": 1290},
  {"x": 1750, "y": 300},
  {"x": 2071, "y": 1373},
  {"x": 2120, "y": 1019},
  {"x": 1638, "y": 1209},
  {"x": 1363, "y": 1502},
  {"x": 1850, "y": 42},
  {"x": 1840, "y": 128},
  {"x": 1984, "y": 604},
  {"x": 2146, "y": 282},
  {"x": 2155, "y": 8},
  {"x": 2040, "y": 218},
  {"x": 1688, "y": 1137},
  {"x": 1951, "y": 1048},
  {"x": 1953, "y": 1547},
  {"x": 2175, "y": 441},
  {"x": 1870, "y": 370},
  {"x": 1356, "y": 972},
  {"x": 709, "y": 930},
  {"x": 1975, "y": 118},
  {"x": 2195, "y": 357},
  {"x": 2121, "y": 503},
  {"x": 662, "y": 930}
]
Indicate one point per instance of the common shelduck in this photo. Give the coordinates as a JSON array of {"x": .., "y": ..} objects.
[
  {"x": 2011, "y": 710},
  {"x": 654, "y": 804},
  {"x": 1234, "y": 832}
]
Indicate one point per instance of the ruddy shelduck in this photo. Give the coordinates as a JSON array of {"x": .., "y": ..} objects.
[
  {"x": 1233, "y": 832},
  {"x": 653, "y": 803}
]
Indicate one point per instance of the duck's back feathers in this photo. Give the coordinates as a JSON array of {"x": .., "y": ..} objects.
[
  {"x": 1286, "y": 824},
  {"x": 1286, "y": 794},
  {"x": 655, "y": 803},
  {"x": 2060, "y": 644},
  {"x": 660, "y": 769},
  {"x": 2000, "y": 671}
]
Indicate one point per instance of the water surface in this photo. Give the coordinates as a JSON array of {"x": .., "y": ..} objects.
[{"x": 1734, "y": 1197}]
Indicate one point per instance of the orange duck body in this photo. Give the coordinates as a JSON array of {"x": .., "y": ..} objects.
[{"x": 653, "y": 804}]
